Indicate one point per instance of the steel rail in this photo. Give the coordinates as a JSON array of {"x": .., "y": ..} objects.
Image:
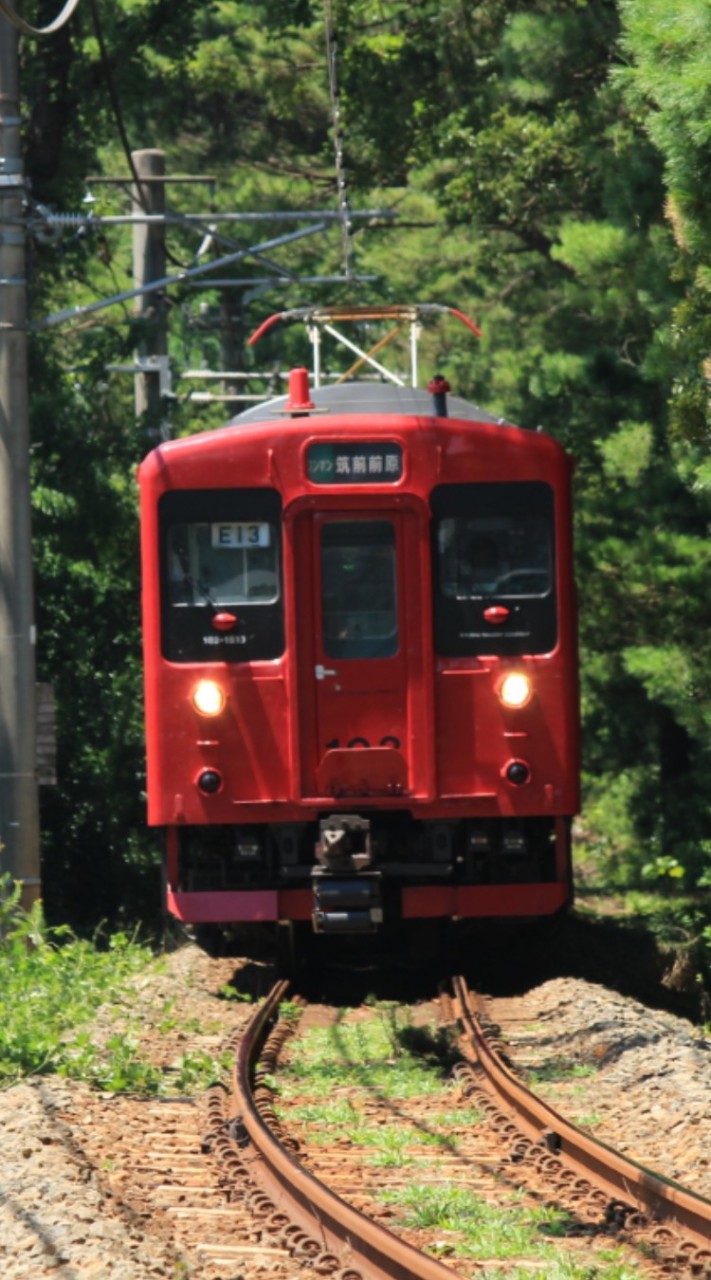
[
  {"x": 344, "y": 1230},
  {"x": 621, "y": 1177}
]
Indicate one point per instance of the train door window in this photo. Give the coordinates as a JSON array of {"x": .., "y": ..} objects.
[
  {"x": 220, "y": 555},
  {"x": 494, "y": 544},
  {"x": 359, "y": 589}
]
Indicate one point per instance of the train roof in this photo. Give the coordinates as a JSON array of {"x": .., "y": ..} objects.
[{"x": 380, "y": 399}]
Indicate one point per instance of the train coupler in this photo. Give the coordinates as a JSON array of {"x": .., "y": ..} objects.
[
  {"x": 344, "y": 843},
  {"x": 346, "y": 904}
]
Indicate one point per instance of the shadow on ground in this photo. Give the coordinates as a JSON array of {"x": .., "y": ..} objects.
[{"x": 497, "y": 958}]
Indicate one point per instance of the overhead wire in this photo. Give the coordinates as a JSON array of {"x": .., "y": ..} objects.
[{"x": 139, "y": 191}]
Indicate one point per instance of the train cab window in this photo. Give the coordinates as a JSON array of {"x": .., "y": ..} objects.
[
  {"x": 495, "y": 555},
  {"x": 493, "y": 544},
  {"x": 359, "y": 589},
  {"x": 222, "y": 563},
  {"x": 220, "y": 559}
]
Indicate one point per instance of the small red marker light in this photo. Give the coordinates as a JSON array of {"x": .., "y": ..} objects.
[
  {"x": 224, "y": 621},
  {"x": 496, "y": 613},
  {"x": 299, "y": 400}
]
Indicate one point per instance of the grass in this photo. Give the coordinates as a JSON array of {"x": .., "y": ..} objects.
[
  {"x": 589, "y": 1120},
  {"x": 470, "y": 1227},
  {"x": 610, "y": 1267},
  {"x": 559, "y": 1071},
  {"x": 52, "y": 986},
  {"x": 361, "y": 1053},
  {"x": 329, "y": 1083}
]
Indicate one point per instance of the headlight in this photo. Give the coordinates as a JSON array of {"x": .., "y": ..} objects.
[
  {"x": 515, "y": 689},
  {"x": 208, "y": 698}
]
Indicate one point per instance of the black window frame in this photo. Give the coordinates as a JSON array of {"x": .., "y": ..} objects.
[
  {"x": 186, "y": 632},
  {"x": 460, "y": 627}
]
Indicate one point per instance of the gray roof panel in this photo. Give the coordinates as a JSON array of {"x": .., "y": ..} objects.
[{"x": 378, "y": 398}]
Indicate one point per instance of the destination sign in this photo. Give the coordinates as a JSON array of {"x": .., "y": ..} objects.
[{"x": 363, "y": 463}]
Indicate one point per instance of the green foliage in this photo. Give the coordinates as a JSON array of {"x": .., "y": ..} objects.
[
  {"x": 669, "y": 84},
  {"x": 58, "y": 989},
  {"x": 98, "y": 860},
  {"x": 662, "y": 867},
  {"x": 627, "y": 453},
  {"x": 52, "y": 985}
]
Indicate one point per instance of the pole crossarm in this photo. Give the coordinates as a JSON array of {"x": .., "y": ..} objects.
[
  {"x": 88, "y": 220},
  {"x": 166, "y": 282}
]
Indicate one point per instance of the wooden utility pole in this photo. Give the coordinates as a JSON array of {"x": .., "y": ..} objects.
[
  {"x": 149, "y": 265},
  {"x": 19, "y": 809}
]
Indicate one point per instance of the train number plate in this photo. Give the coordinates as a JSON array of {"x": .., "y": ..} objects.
[{"x": 241, "y": 534}]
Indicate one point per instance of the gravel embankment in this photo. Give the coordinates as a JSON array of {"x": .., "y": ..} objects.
[{"x": 639, "y": 1079}]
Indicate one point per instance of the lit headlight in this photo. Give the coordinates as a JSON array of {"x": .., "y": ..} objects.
[
  {"x": 208, "y": 698},
  {"x": 515, "y": 689}
]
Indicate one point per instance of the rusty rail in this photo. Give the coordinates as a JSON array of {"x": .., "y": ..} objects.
[
  {"x": 370, "y": 1249},
  {"x": 623, "y": 1179}
]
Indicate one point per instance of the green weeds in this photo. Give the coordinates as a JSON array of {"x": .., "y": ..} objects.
[
  {"x": 473, "y": 1228},
  {"x": 560, "y": 1072},
  {"x": 367, "y": 1053},
  {"x": 52, "y": 986}
]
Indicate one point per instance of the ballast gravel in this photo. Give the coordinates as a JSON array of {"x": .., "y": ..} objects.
[
  {"x": 69, "y": 1208},
  {"x": 637, "y": 1078}
]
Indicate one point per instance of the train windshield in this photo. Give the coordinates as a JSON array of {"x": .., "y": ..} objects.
[
  {"x": 493, "y": 543},
  {"x": 223, "y": 563},
  {"x": 220, "y": 552},
  {"x": 359, "y": 589},
  {"x": 501, "y": 555}
]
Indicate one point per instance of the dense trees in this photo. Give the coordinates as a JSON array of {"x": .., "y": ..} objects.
[{"x": 550, "y": 166}]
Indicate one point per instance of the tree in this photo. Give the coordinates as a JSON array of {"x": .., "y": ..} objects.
[{"x": 668, "y": 81}]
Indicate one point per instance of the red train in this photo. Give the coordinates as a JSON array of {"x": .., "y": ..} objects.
[{"x": 360, "y": 659}]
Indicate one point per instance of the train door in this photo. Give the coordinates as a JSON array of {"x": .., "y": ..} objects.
[{"x": 358, "y": 652}]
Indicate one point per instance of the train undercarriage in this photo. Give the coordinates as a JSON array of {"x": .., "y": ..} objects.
[{"x": 349, "y": 873}]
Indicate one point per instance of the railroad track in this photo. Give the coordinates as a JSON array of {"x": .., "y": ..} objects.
[
  {"x": 261, "y": 1166},
  {"x": 654, "y": 1211}
]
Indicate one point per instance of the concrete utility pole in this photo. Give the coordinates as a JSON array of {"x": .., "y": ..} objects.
[
  {"x": 148, "y": 265},
  {"x": 19, "y": 809}
]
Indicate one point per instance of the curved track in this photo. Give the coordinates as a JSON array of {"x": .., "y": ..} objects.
[
  {"x": 671, "y": 1218},
  {"x": 318, "y": 1223},
  {"x": 306, "y": 1218}
]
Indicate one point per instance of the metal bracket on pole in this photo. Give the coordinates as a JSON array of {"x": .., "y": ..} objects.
[{"x": 149, "y": 364}]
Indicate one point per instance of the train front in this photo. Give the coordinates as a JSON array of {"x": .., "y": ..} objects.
[{"x": 360, "y": 662}]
